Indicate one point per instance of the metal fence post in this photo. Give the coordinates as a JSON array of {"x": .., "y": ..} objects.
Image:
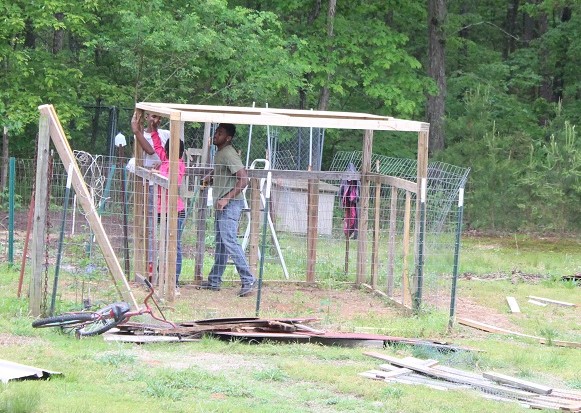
[
  {"x": 12, "y": 179},
  {"x": 456, "y": 255}
]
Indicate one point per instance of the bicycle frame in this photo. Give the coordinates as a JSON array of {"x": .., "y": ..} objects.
[{"x": 148, "y": 309}]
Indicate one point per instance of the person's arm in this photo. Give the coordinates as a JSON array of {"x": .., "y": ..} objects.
[
  {"x": 158, "y": 147},
  {"x": 241, "y": 183},
  {"x": 138, "y": 132}
]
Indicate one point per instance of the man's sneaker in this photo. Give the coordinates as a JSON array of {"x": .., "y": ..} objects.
[
  {"x": 205, "y": 285},
  {"x": 177, "y": 292},
  {"x": 247, "y": 289}
]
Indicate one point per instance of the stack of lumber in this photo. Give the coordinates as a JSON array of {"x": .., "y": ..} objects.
[
  {"x": 258, "y": 329},
  {"x": 410, "y": 370}
]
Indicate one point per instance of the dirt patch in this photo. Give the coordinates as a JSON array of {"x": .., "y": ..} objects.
[
  {"x": 12, "y": 340},
  {"x": 336, "y": 306},
  {"x": 206, "y": 361}
]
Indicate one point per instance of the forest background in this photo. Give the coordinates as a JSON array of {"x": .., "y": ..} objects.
[{"x": 499, "y": 81}]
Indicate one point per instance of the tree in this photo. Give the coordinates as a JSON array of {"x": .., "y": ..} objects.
[{"x": 437, "y": 71}]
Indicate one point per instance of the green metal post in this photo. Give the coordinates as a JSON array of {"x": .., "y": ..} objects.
[
  {"x": 61, "y": 240},
  {"x": 263, "y": 242},
  {"x": 456, "y": 256},
  {"x": 12, "y": 179}
]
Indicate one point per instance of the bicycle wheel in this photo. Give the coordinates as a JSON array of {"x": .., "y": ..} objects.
[
  {"x": 63, "y": 320},
  {"x": 101, "y": 324}
]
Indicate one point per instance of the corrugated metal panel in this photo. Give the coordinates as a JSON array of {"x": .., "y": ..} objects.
[{"x": 12, "y": 371}]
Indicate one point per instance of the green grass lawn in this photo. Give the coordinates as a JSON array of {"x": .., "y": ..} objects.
[{"x": 214, "y": 376}]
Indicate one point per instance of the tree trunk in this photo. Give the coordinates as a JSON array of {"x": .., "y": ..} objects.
[
  {"x": 29, "y": 36},
  {"x": 437, "y": 71},
  {"x": 561, "y": 60},
  {"x": 546, "y": 89},
  {"x": 59, "y": 35},
  {"x": 325, "y": 94},
  {"x": 95, "y": 123},
  {"x": 511, "y": 14},
  {"x": 313, "y": 16}
]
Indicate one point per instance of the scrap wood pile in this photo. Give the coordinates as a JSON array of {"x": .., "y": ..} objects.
[
  {"x": 257, "y": 329},
  {"x": 410, "y": 370}
]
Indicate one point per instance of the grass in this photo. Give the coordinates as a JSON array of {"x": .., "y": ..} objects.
[{"x": 215, "y": 376}]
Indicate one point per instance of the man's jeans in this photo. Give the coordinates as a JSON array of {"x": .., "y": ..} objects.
[{"x": 226, "y": 227}]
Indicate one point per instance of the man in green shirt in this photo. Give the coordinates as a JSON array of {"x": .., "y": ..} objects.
[{"x": 229, "y": 180}]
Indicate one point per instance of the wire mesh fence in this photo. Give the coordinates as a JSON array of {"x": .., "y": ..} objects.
[{"x": 389, "y": 262}]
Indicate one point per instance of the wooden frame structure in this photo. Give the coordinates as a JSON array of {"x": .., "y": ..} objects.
[
  {"x": 50, "y": 129},
  {"x": 178, "y": 114}
]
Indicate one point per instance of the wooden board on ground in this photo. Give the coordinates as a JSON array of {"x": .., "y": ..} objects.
[
  {"x": 535, "y": 302},
  {"x": 493, "y": 329},
  {"x": 142, "y": 339},
  {"x": 521, "y": 384},
  {"x": 550, "y": 301},
  {"x": 514, "y": 308}
]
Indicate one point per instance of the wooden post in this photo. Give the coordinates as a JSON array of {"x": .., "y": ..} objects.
[
  {"x": 202, "y": 210},
  {"x": 66, "y": 154},
  {"x": 391, "y": 248},
  {"x": 364, "y": 209},
  {"x": 422, "y": 174},
  {"x": 140, "y": 221},
  {"x": 176, "y": 132},
  {"x": 39, "y": 229},
  {"x": 254, "y": 224},
  {"x": 406, "y": 295},
  {"x": 312, "y": 227},
  {"x": 375, "y": 247}
]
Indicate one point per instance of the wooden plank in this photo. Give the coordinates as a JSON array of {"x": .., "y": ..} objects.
[
  {"x": 66, "y": 154},
  {"x": 406, "y": 293},
  {"x": 140, "y": 221},
  {"x": 521, "y": 384},
  {"x": 364, "y": 208},
  {"x": 312, "y": 227},
  {"x": 254, "y": 236},
  {"x": 548, "y": 300},
  {"x": 490, "y": 328},
  {"x": 39, "y": 229},
  {"x": 394, "y": 181},
  {"x": 535, "y": 302},
  {"x": 513, "y": 304},
  {"x": 283, "y": 117},
  {"x": 152, "y": 176},
  {"x": 431, "y": 372},
  {"x": 202, "y": 208},
  {"x": 398, "y": 371},
  {"x": 391, "y": 245},
  {"x": 493, "y": 329},
  {"x": 141, "y": 338},
  {"x": 161, "y": 245},
  {"x": 399, "y": 305},
  {"x": 375, "y": 245},
  {"x": 176, "y": 134}
]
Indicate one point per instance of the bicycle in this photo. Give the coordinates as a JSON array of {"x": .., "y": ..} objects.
[{"x": 92, "y": 323}]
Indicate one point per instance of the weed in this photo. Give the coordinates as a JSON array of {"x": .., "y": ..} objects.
[
  {"x": 116, "y": 359},
  {"x": 392, "y": 392},
  {"x": 271, "y": 374},
  {"x": 15, "y": 399},
  {"x": 574, "y": 383},
  {"x": 549, "y": 334}
]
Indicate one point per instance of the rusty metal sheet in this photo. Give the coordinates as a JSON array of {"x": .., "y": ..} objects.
[{"x": 13, "y": 371}]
